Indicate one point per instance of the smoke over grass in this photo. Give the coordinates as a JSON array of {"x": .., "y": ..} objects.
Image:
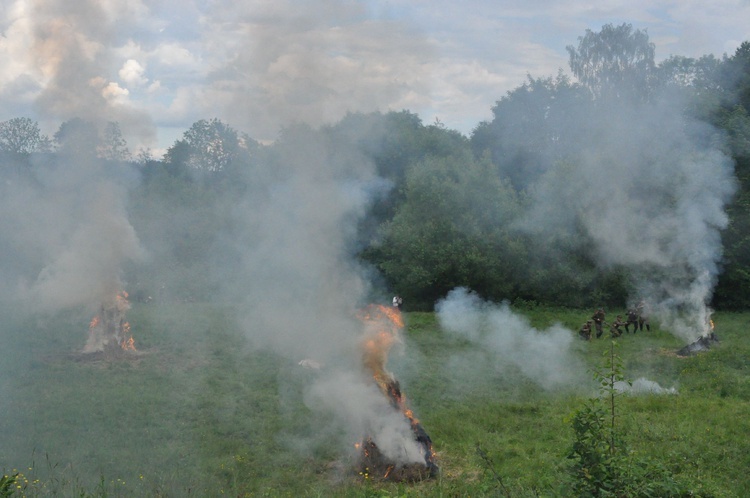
[
  {"x": 509, "y": 341},
  {"x": 67, "y": 236},
  {"x": 643, "y": 188},
  {"x": 300, "y": 285}
]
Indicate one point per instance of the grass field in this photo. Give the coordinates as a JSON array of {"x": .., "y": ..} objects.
[{"x": 198, "y": 413}]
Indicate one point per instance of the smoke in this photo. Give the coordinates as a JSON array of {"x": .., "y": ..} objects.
[
  {"x": 86, "y": 267},
  {"x": 355, "y": 402},
  {"x": 643, "y": 386},
  {"x": 67, "y": 236},
  {"x": 67, "y": 223},
  {"x": 300, "y": 285},
  {"x": 644, "y": 188},
  {"x": 312, "y": 63},
  {"x": 511, "y": 343},
  {"x": 72, "y": 47}
]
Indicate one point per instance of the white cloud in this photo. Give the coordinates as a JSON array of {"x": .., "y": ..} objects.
[
  {"x": 261, "y": 64},
  {"x": 175, "y": 55},
  {"x": 132, "y": 73}
]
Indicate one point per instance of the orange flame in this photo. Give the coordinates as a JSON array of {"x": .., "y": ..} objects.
[
  {"x": 108, "y": 327},
  {"x": 383, "y": 329},
  {"x": 129, "y": 343}
]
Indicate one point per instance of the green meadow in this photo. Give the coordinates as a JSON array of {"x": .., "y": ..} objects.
[{"x": 197, "y": 412}]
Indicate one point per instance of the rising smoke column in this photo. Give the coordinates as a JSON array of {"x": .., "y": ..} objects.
[
  {"x": 301, "y": 285},
  {"x": 645, "y": 191},
  {"x": 73, "y": 55},
  {"x": 85, "y": 263},
  {"x": 511, "y": 343},
  {"x": 70, "y": 209}
]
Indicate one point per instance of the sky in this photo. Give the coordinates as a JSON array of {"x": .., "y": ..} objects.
[{"x": 156, "y": 67}]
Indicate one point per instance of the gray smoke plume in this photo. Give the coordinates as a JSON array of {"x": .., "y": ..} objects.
[
  {"x": 313, "y": 63},
  {"x": 86, "y": 266},
  {"x": 645, "y": 191},
  {"x": 356, "y": 403},
  {"x": 72, "y": 46},
  {"x": 67, "y": 235},
  {"x": 74, "y": 227},
  {"x": 544, "y": 357},
  {"x": 643, "y": 386},
  {"x": 301, "y": 286}
]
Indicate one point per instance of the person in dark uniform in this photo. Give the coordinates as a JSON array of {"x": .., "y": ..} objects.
[
  {"x": 598, "y": 318},
  {"x": 615, "y": 328},
  {"x": 585, "y": 331},
  {"x": 632, "y": 320},
  {"x": 643, "y": 318}
]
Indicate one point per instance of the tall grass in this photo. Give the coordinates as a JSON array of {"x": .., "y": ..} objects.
[{"x": 196, "y": 412}]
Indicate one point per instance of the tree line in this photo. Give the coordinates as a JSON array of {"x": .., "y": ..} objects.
[{"x": 450, "y": 210}]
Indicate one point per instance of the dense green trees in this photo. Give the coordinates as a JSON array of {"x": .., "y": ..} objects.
[
  {"x": 615, "y": 62},
  {"x": 451, "y": 230},
  {"x": 506, "y": 211},
  {"x": 22, "y": 136}
]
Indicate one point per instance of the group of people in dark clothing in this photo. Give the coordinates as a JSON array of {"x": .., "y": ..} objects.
[{"x": 637, "y": 317}]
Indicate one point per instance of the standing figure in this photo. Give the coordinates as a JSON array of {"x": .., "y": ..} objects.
[
  {"x": 598, "y": 318},
  {"x": 632, "y": 319},
  {"x": 397, "y": 302},
  {"x": 643, "y": 318}
]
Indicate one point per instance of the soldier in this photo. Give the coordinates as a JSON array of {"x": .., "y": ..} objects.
[
  {"x": 397, "y": 302},
  {"x": 614, "y": 328},
  {"x": 632, "y": 319},
  {"x": 643, "y": 318},
  {"x": 585, "y": 331},
  {"x": 598, "y": 318}
]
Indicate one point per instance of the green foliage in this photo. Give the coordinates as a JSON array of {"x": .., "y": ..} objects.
[
  {"x": 7, "y": 485},
  {"x": 603, "y": 465},
  {"x": 22, "y": 136},
  {"x": 448, "y": 232},
  {"x": 615, "y": 60},
  {"x": 531, "y": 128},
  {"x": 78, "y": 138},
  {"x": 197, "y": 412}
]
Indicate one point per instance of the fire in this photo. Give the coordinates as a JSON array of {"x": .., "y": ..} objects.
[
  {"x": 383, "y": 327},
  {"x": 129, "y": 343},
  {"x": 382, "y": 330},
  {"x": 108, "y": 330}
]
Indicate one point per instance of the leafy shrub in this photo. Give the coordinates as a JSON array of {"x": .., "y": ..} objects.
[{"x": 603, "y": 466}]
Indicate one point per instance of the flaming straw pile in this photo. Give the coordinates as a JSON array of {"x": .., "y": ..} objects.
[
  {"x": 108, "y": 330},
  {"x": 383, "y": 327},
  {"x": 703, "y": 343}
]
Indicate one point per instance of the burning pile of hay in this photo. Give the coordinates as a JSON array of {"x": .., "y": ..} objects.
[
  {"x": 382, "y": 330},
  {"x": 703, "y": 343},
  {"x": 109, "y": 332}
]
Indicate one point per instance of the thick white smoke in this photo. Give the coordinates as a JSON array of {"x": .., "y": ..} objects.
[
  {"x": 85, "y": 266},
  {"x": 357, "y": 404},
  {"x": 643, "y": 386},
  {"x": 301, "y": 286},
  {"x": 67, "y": 235},
  {"x": 645, "y": 192},
  {"x": 544, "y": 357}
]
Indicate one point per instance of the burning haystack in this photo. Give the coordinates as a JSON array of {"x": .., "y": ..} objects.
[
  {"x": 383, "y": 327},
  {"x": 109, "y": 332},
  {"x": 703, "y": 343}
]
